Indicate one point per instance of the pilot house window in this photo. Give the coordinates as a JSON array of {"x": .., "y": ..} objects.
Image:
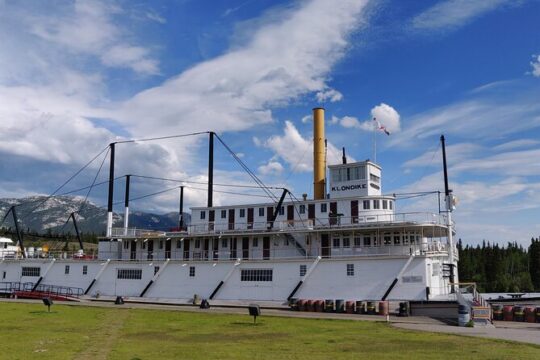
[{"x": 203, "y": 215}]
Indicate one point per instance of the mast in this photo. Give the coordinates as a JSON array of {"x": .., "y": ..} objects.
[
  {"x": 181, "y": 210},
  {"x": 111, "y": 191},
  {"x": 449, "y": 207},
  {"x": 126, "y": 205},
  {"x": 210, "y": 168}
]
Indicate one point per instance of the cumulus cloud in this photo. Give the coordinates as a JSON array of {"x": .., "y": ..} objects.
[
  {"x": 297, "y": 150},
  {"x": 385, "y": 114},
  {"x": 536, "y": 65},
  {"x": 271, "y": 168},
  {"x": 451, "y": 14},
  {"x": 331, "y": 95}
]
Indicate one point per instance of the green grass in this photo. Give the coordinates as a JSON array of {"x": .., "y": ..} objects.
[{"x": 77, "y": 332}]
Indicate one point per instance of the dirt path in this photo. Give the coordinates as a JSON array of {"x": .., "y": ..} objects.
[{"x": 106, "y": 336}]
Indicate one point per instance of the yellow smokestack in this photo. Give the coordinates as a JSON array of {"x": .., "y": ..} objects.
[{"x": 319, "y": 158}]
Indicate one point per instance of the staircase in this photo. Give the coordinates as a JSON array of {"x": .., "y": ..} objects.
[
  {"x": 481, "y": 312},
  {"x": 298, "y": 246}
]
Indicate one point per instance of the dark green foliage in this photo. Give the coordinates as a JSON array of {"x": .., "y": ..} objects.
[{"x": 501, "y": 269}]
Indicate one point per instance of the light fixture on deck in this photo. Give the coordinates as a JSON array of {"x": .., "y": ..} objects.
[
  {"x": 214, "y": 264},
  {"x": 151, "y": 264},
  {"x": 184, "y": 265},
  {"x": 220, "y": 235},
  {"x": 168, "y": 239},
  {"x": 145, "y": 240},
  {"x": 182, "y": 239}
]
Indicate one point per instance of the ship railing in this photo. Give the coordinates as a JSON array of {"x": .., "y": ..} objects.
[
  {"x": 260, "y": 253},
  {"x": 329, "y": 222},
  {"x": 59, "y": 255},
  {"x": 135, "y": 232}
]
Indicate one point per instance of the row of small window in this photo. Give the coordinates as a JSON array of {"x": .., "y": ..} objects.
[
  {"x": 387, "y": 239},
  {"x": 376, "y": 204},
  {"x": 136, "y": 274},
  {"x": 368, "y": 204},
  {"x": 349, "y": 173},
  {"x": 256, "y": 275}
]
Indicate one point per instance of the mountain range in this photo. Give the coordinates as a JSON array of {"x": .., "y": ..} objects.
[{"x": 42, "y": 215}]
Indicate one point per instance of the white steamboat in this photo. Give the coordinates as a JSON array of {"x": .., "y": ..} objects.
[{"x": 347, "y": 242}]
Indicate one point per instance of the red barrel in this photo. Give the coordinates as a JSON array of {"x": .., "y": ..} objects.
[
  {"x": 349, "y": 307},
  {"x": 301, "y": 305},
  {"x": 508, "y": 313},
  {"x": 319, "y": 305},
  {"x": 310, "y": 305},
  {"x": 383, "y": 308},
  {"x": 359, "y": 307},
  {"x": 519, "y": 313},
  {"x": 530, "y": 314}
]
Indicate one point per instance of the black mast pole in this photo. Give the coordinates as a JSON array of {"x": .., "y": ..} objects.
[
  {"x": 111, "y": 192},
  {"x": 210, "y": 168},
  {"x": 77, "y": 231},
  {"x": 181, "y": 212},
  {"x": 126, "y": 203},
  {"x": 446, "y": 190},
  {"x": 19, "y": 235}
]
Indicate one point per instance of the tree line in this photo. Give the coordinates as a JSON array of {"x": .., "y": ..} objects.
[{"x": 496, "y": 268}]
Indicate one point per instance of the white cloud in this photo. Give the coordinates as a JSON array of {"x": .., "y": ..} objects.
[
  {"x": 134, "y": 57},
  {"x": 297, "y": 150},
  {"x": 286, "y": 58},
  {"x": 536, "y": 65},
  {"x": 516, "y": 144},
  {"x": 385, "y": 114},
  {"x": 331, "y": 95},
  {"x": 271, "y": 168},
  {"x": 450, "y": 14}
]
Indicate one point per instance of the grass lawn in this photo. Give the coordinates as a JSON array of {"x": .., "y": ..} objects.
[{"x": 77, "y": 332}]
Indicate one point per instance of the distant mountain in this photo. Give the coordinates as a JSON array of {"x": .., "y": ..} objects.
[{"x": 53, "y": 213}]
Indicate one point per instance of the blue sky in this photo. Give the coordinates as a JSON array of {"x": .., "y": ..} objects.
[{"x": 76, "y": 75}]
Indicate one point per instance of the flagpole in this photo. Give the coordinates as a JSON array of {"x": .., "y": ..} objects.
[{"x": 374, "y": 140}]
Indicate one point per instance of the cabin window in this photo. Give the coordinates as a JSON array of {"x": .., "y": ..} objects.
[
  {"x": 387, "y": 240},
  {"x": 126, "y": 245},
  {"x": 335, "y": 242},
  {"x": 346, "y": 242},
  {"x": 385, "y": 204},
  {"x": 376, "y": 204},
  {"x": 396, "y": 240},
  {"x": 406, "y": 239},
  {"x": 350, "y": 269},
  {"x": 66, "y": 270},
  {"x": 203, "y": 215},
  {"x": 357, "y": 241},
  {"x": 302, "y": 209},
  {"x": 143, "y": 245},
  {"x": 224, "y": 243},
  {"x": 367, "y": 241},
  {"x": 156, "y": 269},
  {"x": 192, "y": 271},
  {"x": 366, "y": 204},
  {"x": 242, "y": 213},
  {"x": 197, "y": 243},
  {"x": 223, "y": 214},
  {"x": 323, "y": 207},
  {"x": 256, "y": 275},
  {"x": 374, "y": 178},
  {"x": 30, "y": 271},
  {"x": 3, "y": 275},
  {"x": 391, "y": 204},
  {"x": 178, "y": 244},
  {"x": 85, "y": 270},
  {"x": 129, "y": 274},
  {"x": 282, "y": 210},
  {"x": 261, "y": 211},
  {"x": 303, "y": 270},
  {"x": 255, "y": 242}
]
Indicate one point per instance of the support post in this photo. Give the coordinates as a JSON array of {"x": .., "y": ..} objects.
[
  {"x": 97, "y": 277},
  {"x": 181, "y": 210},
  {"x": 77, "y": 233},
  {"x": 19, "y": 235},
  {"x": 210, "y": 168},
  {"x": 126, "y": 205},
  {"x": 111, "y": 192}
]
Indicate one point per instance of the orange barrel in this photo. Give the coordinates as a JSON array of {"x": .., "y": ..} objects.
[
  {"x": 519, "y": 314},
  {"x": 359, "y": 307},
  {"x": 301, "y": 305},
  {"x": 497, "y": 311},
  {"x": 508, "y": 314},
  {"x": 328, "y": 305},
  {"x": 530, "y": 314},
  {"x": 371, "y": 310},
  {"x": 340, "y": 306},
  {"x": 319, "y": 305},
  {"x": 349, "y": 307},
  {"x": 309, "y": 305},
  {"x": 538, "y": 314},
  {"x": 383, "y": 308}
]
